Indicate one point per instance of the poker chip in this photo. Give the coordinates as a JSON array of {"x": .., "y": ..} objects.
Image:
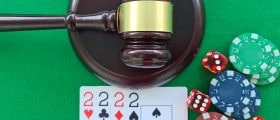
[
  {"x": 213, "y": 116},
  {"x": 273, "y": 66},
  {"x": 264, "y": 81},
  {"x": 273, "y": 71},
  {"x": 248, "y": 53},
  {"x": 257, "y": 118},
  {"x": 251, "y": 108},
  {"x": 230, "y": 91}
]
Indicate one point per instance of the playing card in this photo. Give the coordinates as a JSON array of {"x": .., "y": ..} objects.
[
  {"x": 156, "y": 112},
  {"x": 112, "y": 103}
]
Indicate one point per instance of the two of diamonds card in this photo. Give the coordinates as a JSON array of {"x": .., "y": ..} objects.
[{"x": 111, "y": 103}]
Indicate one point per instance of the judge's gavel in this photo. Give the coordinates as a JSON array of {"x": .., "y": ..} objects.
[{"x": 145, "y": 25}]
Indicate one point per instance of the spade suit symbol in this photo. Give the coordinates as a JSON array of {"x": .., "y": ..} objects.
[
  {"x": 156, "y": 113},
  {"x": 103, "y": 114},
  {"x": 133, "y": 116}
]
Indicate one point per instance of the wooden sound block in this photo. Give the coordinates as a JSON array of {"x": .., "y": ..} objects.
[{"x": 100, "y": 51}]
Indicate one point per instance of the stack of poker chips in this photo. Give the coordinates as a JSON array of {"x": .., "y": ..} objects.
[
  {"x": 233, "y": 93},
  {"x": 256, "y": 57},
  {"x": 212, "y": 116}
]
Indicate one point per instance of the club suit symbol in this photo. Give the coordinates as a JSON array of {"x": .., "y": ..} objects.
[{"x": 103, "y": 114}]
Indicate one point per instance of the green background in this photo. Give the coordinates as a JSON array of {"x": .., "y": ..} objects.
[{"x": 40, "y": 75}]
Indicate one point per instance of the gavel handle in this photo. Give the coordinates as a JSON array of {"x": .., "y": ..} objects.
[
  {"x": 10, "y": 23},
  {"x": 104, "y": 21}
]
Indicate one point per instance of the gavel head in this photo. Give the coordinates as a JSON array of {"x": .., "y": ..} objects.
[{"x": 146, "y": 26}]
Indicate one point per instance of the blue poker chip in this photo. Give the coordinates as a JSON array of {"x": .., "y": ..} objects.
[
  {"x": 253, "y": 109},
  {"x": 230, "y": 91},
  {"x": 250, "y": 109}
]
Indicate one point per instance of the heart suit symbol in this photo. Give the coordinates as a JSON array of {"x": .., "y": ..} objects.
[{"x": 88, "y": 113}]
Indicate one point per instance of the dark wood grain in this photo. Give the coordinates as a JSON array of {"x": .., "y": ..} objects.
[{"x": 101, "y": 51}]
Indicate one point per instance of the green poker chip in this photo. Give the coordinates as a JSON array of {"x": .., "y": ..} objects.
[
  {"x": 270, "y": 75},
  {"x": 273, "y": 66},
  {"x": 249, "y": 55},
  {"x": 265, "y": 81}
]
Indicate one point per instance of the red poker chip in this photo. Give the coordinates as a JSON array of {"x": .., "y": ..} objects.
[
  {"x": 213, "y": 116},
  {"x": 258, "y": 118}
]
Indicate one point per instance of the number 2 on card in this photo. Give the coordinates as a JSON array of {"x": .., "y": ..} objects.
[
  {"x": 136, "y": 98},
  {"x": 88, "y": 99},
  {"x": 120, "y": 97},
  {"x": 104, "y": 101}
]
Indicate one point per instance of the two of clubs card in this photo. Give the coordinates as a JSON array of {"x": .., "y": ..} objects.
[{"x": 112, "y": 103}]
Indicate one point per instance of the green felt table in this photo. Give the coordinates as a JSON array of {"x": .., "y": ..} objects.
[{"x": 40, "y": 75}]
